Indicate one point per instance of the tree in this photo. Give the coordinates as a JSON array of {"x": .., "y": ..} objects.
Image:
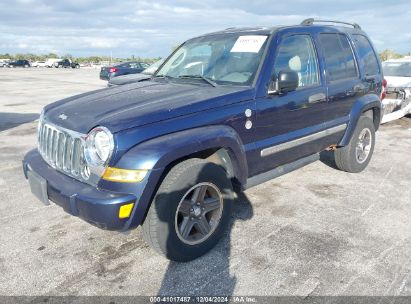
[
  {"x": 389, "y": 54},
  {"x": 52, "y": 55}
]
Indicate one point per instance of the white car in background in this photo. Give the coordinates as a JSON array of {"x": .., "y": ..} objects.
[
  {"x": 51, "y": 62},
  {"x": 397, "y": 103},
  {"x": 4, "y": 62},
  {"x": 38, "y": 64}
]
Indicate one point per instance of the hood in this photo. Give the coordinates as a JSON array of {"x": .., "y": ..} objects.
[
  {"x": 398, "y": 82},
  {"x": 140, "y": 103}
]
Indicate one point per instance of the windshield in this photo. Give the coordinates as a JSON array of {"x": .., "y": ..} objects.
[
  {"x": 223, "y": 59},
  {"x": 398, "y": 69}
]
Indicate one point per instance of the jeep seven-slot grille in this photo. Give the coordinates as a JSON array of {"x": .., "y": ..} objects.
[{"x": 62, "y": 149}]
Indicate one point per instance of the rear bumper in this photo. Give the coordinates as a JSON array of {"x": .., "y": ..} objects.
[
  {"x": 107, "y": 75},
  {"x": 96, "y": 206}
]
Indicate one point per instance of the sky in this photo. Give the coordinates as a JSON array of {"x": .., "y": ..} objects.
[{"x": 153, "y": 28}]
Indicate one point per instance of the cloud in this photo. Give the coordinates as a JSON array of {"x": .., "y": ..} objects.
[{"x": 152, "y": 28}]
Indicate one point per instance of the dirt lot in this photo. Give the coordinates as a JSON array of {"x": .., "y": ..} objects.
[{"x": 316, "y": 231}]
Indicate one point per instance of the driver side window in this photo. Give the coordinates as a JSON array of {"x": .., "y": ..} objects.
[{"x": 297, "y": 54}]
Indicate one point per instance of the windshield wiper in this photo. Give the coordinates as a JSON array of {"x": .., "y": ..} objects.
[
  {"x": 163, "y": 76},
  {"x": 206, "y": 79}
]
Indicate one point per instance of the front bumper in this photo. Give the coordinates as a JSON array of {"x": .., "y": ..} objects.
[{"x": 96, "y": 206}]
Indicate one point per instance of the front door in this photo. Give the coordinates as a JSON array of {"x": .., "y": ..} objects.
[{"x": 284, "y": 118}]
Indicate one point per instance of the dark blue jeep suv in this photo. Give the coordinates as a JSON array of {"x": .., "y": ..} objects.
[{"x": 225, "y": 111}]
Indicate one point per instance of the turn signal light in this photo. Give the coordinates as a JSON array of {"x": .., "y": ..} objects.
[
  {"x": 384, "y": 89},
  {"x": 124, "y": 175}
]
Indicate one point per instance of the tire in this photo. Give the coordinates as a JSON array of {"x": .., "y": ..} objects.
[
  {"x": 163, "y": 224},
  {"x": 355, "y": 156}
]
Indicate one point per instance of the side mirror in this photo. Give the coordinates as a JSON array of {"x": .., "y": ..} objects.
[{"x": 286, "y": 82}]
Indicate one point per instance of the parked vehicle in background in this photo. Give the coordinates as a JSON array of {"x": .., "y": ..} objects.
[
  {"x": 38, "y": 64},
  {"x": 123, "y": 68},
  {"x": 397, "y": 103},
  {"x": 66, "y": 63},
  {"x": 4, "y": 62},
  {"x": 51, "y": 61},
  {"x": 225, "y": 111},
  {"x": 144, "y": 75},
  {"x": 19, "y": 63}
]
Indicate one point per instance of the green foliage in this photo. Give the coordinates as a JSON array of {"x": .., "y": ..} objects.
[{"x": 389, "y": 54}]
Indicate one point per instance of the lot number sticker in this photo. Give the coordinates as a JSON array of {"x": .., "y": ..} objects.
[{"x": 248, "y": 44}]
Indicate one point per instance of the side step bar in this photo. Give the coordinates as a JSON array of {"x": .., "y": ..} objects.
[{"x": 281, "y": 170}]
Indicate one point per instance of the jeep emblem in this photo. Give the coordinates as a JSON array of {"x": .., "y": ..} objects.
[{"x": 63, "y": 116}]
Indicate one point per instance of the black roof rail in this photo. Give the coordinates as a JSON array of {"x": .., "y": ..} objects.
[{"x": 310, "y": 21}]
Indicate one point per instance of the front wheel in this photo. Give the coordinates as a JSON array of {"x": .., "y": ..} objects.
[
  {"x": 190, "y": 211},
  {"x": 357, "y": 154}
]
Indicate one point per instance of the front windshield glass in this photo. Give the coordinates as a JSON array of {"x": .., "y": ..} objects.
[
  {"x": 230, "y": 59},
  {"x": 397, "y": 69}
]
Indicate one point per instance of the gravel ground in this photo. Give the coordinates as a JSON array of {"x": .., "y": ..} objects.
[{"x": 315, "y": 231}]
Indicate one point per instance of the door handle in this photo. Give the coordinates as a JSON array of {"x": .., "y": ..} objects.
[{"x": 319, "y": 97}]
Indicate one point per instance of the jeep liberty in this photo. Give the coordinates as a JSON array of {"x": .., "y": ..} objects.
[{"x": 224, "y": 112}]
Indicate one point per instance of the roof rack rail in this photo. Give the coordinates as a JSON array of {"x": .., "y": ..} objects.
[{"x": 310, "y": 21}]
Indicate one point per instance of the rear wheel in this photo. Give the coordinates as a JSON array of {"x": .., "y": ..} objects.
[
  {"x": 357, "y": 154},
  {"x": 190, "y": 211}
]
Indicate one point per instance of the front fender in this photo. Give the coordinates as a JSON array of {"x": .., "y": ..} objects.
[
  {"x": 158, "y": 153},
  {"x": 366, "y": 102}
]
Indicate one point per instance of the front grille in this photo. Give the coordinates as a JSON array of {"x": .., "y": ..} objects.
[{"x": 63, "y": 150}]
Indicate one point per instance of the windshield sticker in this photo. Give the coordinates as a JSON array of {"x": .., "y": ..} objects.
[{"x": 248, "y": 44}]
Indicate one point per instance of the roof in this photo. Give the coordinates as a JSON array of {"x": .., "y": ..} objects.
[{"x": 311, "y": 23}]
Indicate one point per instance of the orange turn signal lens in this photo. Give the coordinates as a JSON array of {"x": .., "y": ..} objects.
[{"x": 124, "y": 175}]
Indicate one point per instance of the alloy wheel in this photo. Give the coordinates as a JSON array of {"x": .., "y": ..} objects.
[{"x": 198, "y": 213}]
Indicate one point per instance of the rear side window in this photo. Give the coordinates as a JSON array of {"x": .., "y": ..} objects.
[
  {"x": 367, "y": 55},
  {"x": 134, "y": 65},
  {"x": 338, "y": 57}
]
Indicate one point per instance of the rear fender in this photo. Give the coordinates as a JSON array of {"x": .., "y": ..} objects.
[{"x": 363, "y": 104}]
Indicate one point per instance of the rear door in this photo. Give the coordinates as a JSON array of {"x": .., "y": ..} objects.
[
  {"x": 286, "y": 121},
  {"x": 371, "y": 76},
  {"x": 342, "y": 76}
]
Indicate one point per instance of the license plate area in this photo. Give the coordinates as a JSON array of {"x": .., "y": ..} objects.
[{"x": 38, "y": 186}]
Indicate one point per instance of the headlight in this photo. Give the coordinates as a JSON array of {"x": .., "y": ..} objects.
[{"x": 99, "y": 146}]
